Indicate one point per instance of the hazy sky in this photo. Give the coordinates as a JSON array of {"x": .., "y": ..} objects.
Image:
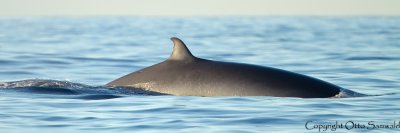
[{"x": 197, "y": 7}]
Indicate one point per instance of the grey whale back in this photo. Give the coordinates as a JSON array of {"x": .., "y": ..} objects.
[{"x": 186, "y": 75}]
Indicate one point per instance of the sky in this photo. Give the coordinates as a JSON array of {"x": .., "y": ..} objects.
[{"x": 199, "y": 7}]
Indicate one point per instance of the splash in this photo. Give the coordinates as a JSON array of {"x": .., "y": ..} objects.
[{"x": 344, "y": 93}]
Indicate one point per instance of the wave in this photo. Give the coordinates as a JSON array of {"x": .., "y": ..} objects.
[{"x": 66, "y": 89}]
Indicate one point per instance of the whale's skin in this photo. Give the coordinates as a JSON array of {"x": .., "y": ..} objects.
[{"x": 186, "y": 75}]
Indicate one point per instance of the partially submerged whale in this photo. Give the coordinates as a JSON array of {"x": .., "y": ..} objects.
[{"x": 186, "y": 75}]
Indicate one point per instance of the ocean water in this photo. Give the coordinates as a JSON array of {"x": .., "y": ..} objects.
[{"x": 52, "y": 70}]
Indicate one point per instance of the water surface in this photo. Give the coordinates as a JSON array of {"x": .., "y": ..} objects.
[{"x": 52, "y": 70}]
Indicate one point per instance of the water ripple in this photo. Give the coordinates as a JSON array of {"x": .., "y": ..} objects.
[{"x": 374, "y": 58}]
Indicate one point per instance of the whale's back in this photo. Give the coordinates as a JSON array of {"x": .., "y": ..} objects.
[{"x": 185, "y": 74}]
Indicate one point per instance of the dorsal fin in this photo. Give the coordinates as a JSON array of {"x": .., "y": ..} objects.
[{"x": 180, "y": 52}]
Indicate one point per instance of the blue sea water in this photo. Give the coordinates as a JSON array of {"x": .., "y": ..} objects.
[{"x": 52, "y": 70}]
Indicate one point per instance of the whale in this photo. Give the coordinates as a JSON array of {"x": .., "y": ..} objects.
[{"x": 183, "y": 74}]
